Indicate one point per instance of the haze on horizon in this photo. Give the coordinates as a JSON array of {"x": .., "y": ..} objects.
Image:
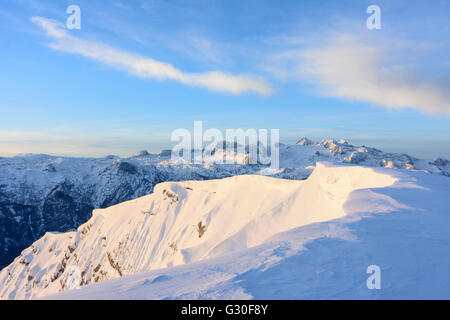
[{"x": 135, "y": 72}]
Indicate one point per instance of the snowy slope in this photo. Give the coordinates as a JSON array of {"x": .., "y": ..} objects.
[
  {"x": 188, "y": 222},
  {"x": 40, "y": 193},
  {"x": 402, "y": 228}
]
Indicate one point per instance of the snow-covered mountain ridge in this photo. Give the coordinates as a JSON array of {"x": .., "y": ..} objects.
[
  {"x": 233, "y": 237},
  {"x": 40, "y": 193}
]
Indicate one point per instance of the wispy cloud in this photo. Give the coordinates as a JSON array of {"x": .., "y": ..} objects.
[
  {"x": 145, "y": 67},
  {"x": 343, "y": 67}
]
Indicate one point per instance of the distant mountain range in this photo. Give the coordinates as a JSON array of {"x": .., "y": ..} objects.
[
  {"x": 41, "y": 193},
  {"x": 253, "y": 237}
]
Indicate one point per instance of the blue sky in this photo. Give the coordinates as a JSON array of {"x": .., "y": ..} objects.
[{"x": 137, "y": 70}]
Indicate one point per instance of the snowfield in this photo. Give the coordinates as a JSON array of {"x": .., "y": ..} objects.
[
  {"x": 253, "y": 237},
  {"x": 41, "y": 193}
]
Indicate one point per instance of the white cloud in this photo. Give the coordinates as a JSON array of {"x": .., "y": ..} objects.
[
  {"x": 345, "y": 68},
  {"x": 146, "y": 67}
]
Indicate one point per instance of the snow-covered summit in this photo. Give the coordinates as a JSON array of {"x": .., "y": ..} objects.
[
  {"x": 41, "y": 193},
  {"x": 229, "y": 238}
]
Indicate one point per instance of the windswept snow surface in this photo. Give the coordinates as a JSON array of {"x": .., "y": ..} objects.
[{"x": 254, "y": 237}]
